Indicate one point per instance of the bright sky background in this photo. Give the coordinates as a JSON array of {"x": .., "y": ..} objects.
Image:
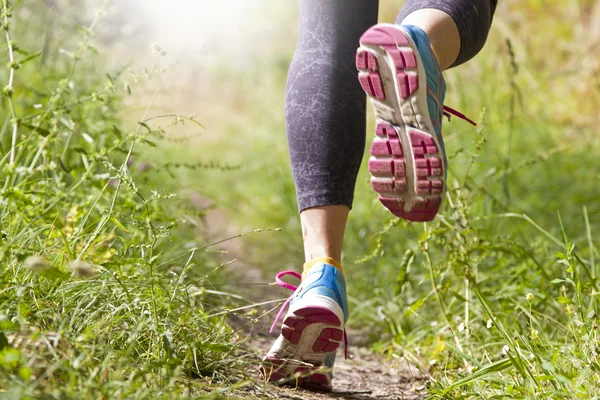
[{"x": 240, "y": 29}]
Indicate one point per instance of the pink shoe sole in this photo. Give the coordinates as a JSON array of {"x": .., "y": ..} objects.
[
  {"x": 406, "y": 164},
  {"x": 299, "y": 370}
]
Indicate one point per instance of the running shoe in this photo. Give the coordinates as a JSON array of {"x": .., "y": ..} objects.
[
  {"x": 313, "y": 328},
  {"x": 400, "y": 73}
]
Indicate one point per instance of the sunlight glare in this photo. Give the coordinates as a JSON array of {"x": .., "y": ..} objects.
[{"x": 226, "y": 25}]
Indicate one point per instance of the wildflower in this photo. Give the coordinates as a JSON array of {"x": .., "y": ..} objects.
[
  {"x": 563, "y": 289},
  {"x": 461, "y": 327},
  {"x": 505, "y": 350},
  {"x": 529, "y": 297},
  {"x": 489, "y": 323},
  {"x": 533, "y": 334}
]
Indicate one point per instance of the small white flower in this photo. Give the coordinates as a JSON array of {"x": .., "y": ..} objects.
[
  {"x": 37, "y": 106},
  {"x": 489, "y": 324},
  {"x": 529, "y": 297},
  {"x": 505, "y": 350},
  {"x": 461, "y": 327},
  {"x": 432, "y": 362},
  {"x": 534, "y": 334}
]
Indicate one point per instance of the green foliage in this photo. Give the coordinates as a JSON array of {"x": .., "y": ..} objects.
[
  {"x": 106, "y": 292},
  {"x": 102, "y": 281}
]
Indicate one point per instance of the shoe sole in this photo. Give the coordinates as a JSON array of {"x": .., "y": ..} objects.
[
  {"x": 406, "y": 163},
  {"x": 309, "y": 335}
]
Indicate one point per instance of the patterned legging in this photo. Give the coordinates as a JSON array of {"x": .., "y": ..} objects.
[{"x": 325, "y": 105}]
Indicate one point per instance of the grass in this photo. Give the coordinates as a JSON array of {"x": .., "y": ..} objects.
[{"x": 107, "y": 285}]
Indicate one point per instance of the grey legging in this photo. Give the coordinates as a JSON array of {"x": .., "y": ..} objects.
[{"x": 325, "y": 105}]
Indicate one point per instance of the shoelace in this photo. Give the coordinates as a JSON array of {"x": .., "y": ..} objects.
[
  {"x": 448, "y": 112},
  {"x": 293, "y": 288}
]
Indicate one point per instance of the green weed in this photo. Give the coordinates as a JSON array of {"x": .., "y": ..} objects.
[{"x": 105, "y": 287}]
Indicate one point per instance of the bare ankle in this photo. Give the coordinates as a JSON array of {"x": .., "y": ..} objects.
[{"x": 323, "y": 231}]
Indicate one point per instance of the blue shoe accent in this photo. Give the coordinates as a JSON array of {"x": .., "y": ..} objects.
[
  {"x": 400, "y": 73},
  {"x": 329, "y": 362},
  {"x": 311, "y": 331},
  {"x": 436, "y": 84},
  {"x": 325, "y": 280}
]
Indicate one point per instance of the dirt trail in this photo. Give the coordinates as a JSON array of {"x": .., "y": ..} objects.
[{"x": 364, "y": 376}]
